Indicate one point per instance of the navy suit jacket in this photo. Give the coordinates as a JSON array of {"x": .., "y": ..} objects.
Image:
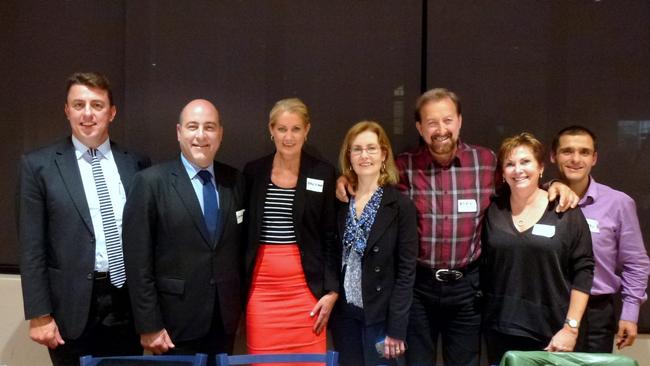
[
  {"x": 56, "y": 233},
  {"x": 177, "y": 274}
]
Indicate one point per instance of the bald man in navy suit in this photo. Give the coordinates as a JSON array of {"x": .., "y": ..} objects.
[{"x": 182, "y": 243}]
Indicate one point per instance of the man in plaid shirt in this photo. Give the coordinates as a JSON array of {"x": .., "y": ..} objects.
[{"x": 450, "y": 183}]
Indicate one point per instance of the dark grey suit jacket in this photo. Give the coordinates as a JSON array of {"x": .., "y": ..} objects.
[
  {"x": 56, "y": 233},
  {"x": 177, "y": 275}
]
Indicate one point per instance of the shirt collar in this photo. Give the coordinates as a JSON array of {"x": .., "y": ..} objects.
[
  {"x": 591, "y": 194},
  {"x": 193, "y": 170},
  {"x": 81, "y": 150}
]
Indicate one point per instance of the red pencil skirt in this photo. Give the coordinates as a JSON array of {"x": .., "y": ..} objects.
[{"x": 279, "y": 303}]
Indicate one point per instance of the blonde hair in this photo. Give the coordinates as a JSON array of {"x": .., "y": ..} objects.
[
  {"x": 388, "y": 174},
  {"x": 291, "y": 105}
]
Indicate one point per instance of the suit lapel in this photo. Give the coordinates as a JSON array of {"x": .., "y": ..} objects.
[
  {"x": 385, "y": 215},
  {"x": 183, "y": 186},
  {"x": 225, "y": 203},
  {"x": 341, "y": 215},
  {"x": 301, "y": 186},
  {"x": 66, "y": 161},
  {"x": 126, "y": 166},
  {"x": 260, "y": 191}
]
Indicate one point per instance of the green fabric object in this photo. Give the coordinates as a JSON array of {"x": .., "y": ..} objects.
[{"x": 543, "y": 358}]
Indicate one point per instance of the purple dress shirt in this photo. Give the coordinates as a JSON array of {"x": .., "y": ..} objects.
[{"x": 621, "y": 260}]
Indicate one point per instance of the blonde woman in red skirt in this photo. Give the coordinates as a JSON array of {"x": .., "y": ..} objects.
[{"x": 292, "y": 254}]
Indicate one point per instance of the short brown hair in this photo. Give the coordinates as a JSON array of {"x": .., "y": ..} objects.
[
  {"x": 388, "y": 173},
  {"x": 522, "y": 139},
  {"x": 435, "y": 95},
  {"x": 91, "y": 80},
  {"x": 573, "y": 131},
  {"x": 291, "y": 105}
]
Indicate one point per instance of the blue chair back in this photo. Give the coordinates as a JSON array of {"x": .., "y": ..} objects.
[
  {"x": 199, "y": 359},
  {"x": 331, "y": 358}
]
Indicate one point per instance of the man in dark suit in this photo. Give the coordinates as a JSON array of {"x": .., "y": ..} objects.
[
  {"x": 70, "y": 204},
  {"x": 183, "y": 223}
]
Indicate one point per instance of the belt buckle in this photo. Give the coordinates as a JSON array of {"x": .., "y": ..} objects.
[
  {"x": 446, "y": 275},
  {"x": 101, "y": 275}
]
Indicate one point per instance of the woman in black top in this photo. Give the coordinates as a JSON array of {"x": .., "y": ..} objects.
[{"x": 537, "y": 264}]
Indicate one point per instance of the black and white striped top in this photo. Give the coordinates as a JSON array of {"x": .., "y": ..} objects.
[{"x": 277, "y": 219}]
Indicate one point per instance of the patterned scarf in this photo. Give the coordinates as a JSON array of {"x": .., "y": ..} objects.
[{"x": 355, "y": 239}]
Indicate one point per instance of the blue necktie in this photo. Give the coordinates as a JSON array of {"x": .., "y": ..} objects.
[
  {"x": 111, "y": 234},
  {"x": 210, "y": 206}
]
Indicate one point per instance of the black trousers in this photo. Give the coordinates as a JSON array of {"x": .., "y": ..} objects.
[
  {"x": 354, "y": 340},
  {"x": 598, "y": 326},
  {"x": 214, "y": 342},
  {"x": 108, "y": 332},
  {"x": 450, "y": 309}
]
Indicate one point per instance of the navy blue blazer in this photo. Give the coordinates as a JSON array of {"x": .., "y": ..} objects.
[
  {"x": 177, "y": 273},
  {"x": 56, "y": 233}
]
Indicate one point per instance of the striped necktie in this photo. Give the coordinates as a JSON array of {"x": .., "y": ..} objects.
[{"x": 111, "y": 234}]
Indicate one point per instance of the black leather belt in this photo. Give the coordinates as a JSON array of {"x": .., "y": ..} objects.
[
  {"x": 447, "y": 274},
  {"x": 98, "y": 276}
]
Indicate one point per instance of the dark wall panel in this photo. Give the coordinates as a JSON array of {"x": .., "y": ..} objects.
[
  {"x": 43, "y": 43},
  {"x": 344, "y": 59}
]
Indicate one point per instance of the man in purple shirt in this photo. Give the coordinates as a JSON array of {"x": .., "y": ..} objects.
[{"x": 621, "y": 260}]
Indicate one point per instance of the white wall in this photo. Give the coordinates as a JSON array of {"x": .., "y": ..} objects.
[{"x": 16, "y": 349}]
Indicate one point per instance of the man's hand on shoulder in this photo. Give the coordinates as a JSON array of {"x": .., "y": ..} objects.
[
  {"x": 343, "y": 187},
  {"x": 566, "y": 197},
  {"x": 44, "y": 330},
  {"x": 157, "y": 342}
]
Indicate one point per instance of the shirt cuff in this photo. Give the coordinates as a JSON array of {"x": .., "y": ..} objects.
[{"x": 630, "y": 312}]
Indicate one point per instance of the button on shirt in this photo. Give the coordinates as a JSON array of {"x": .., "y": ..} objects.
[
  {"x": 115, "y": 190},
  {"x": 621, "y": 259},
  {"x": 448, "y": 238},
  {"x": 193, "y": 172}
]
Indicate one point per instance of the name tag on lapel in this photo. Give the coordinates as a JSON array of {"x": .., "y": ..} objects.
[
  {"x": 240, "y": 216},
  {"x": 315, "y": 185},
  {"x": 544, "y": 230}
]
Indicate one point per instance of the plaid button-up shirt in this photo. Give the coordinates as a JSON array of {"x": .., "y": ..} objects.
[{"x": 450, "y": 202}]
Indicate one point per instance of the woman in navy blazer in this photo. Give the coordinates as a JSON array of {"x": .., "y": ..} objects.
[
  {"x": 378, "y": 230},
  {"x": 291, "y": 260}
]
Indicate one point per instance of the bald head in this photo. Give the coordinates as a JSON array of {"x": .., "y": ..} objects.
[
  {"x": 199, "y": 132},
  {"x": 197, "y": 105}
]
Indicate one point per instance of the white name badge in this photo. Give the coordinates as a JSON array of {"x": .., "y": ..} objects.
[
  {"x": 593, "y": 225},
  {"x": 315, "y": 185},
  {"x": 467, "y": 206},
  {"x": 544, "y": 230},
  {"x": 240, "y": 216}
]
